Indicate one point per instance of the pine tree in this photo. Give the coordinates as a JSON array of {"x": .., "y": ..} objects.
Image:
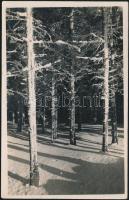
[
  {"x": 53, "y": 106},
  {"x": 115, "y": 73},
  {"x": 34, "y": 172},
  {"x": 72, "y": 82},
  {"x": 106, "y": 82}
]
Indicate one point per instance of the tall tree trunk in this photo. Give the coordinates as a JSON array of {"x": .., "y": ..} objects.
[
  {"x": 114, "y": 121},
  {"x": 72, "y": 82},
  {"x": 56, "y": 115},
  {"x": 43, "y": 119},
  {"x": 79, "y": 118},
  {"x": 80, "y": 108},
  {"x": 13, "y": 118},
  {"x": 106, "y": 82},
  {"x": 113, "y": 100},
  {"x": 43, "y": 111},
  {"x": 72, "y": 127},
  {"x": 23, "y": 119},
  {"x": 53, "y": 107},
  {"x": 20, "y": 115},
  {"x": 34, "y": 173}
]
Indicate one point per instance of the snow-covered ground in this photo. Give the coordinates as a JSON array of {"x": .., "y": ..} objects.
[{"x": 66, "y": 169}]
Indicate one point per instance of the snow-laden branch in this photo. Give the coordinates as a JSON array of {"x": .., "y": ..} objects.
[
  {"x": 90, "y": 58},
  {"x": 99, "y": 85},
  {"x": 112, "y": 71},
  {"x": 60, "y": 42},
  {"x": 81, "y": 57},
  {"x": 40, "y": 55},
  {"x": 12, "y": 18},
  {"x": 97, "y": 77},
  {"x": 13, "y": 51},
  {"x": 21, "y": 14},
  {"x": 39, "y": 66},
  {"x": 16, "y": 92},
  {"x": 86, "y": 42},
  {"x": 49, "y": 65},
  {"x": 17, "y": 39},
  {"x": 9, "y": 74},
  {"x": 16, "y": 15}
]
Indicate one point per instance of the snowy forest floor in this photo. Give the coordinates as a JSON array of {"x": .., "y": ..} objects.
[{"x": 66, "y": 169}]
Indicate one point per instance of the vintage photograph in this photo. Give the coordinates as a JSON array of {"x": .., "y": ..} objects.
[{"x": 64, "y": 99}]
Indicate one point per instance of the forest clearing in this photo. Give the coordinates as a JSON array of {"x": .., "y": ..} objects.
[{"x": 66, "y": 169}]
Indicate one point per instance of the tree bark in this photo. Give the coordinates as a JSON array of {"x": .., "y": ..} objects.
[
  {"x": 72, "y": 127},
  {"x": 72, "y": 83},
  {"x": 43, "y": 112},
  {"x": 114, "y": 121},
  {"x": 113, "y": 100},
  {"x": 13, "y": 118},
  {"x": 53, "y": 107},
  {"x": 56, "y": 118},
  {"x": 34, "y": 172},
  {"x": 20, "y": 115},
  {"x": 43, "y": 119},
  {"x": 23, "y": 119},
  {"x": 106, "y": 82},
  {"x": 79, "y": 119}
]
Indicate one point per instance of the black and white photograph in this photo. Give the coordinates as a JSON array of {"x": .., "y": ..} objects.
[{"x": 64, "y": 99}]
